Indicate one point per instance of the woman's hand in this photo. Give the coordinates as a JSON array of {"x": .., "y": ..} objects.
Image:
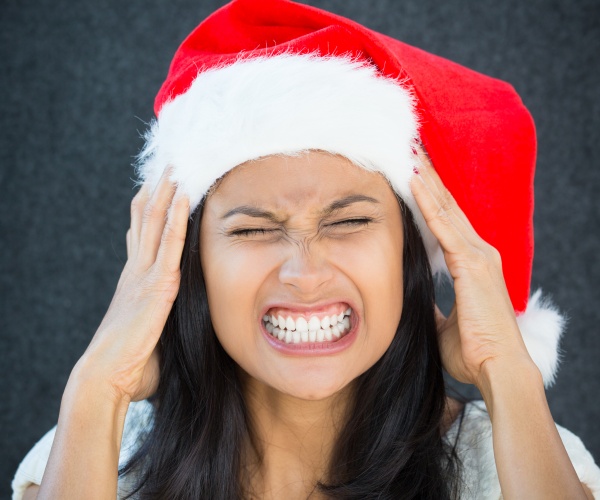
[
  {"x": 481, "y": 344},
  {"x": 123, "y": 353},
  {"x": 121, "y": 362},
  {"x": 481, "y": 326}
]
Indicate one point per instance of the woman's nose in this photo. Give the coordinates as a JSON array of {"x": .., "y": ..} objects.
[{"x": 305, "y": 270}]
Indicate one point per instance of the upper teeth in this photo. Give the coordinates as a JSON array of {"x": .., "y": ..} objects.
[{"x": 299, "y": 330}]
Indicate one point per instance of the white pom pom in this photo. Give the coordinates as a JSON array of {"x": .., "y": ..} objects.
[{"x": 542, "y": 326}]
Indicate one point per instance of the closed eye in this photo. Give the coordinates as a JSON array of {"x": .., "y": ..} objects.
[
  {"x": 259, "y": 231},
  {"x": 360, "y": 221},
  {"x": 251, "y": 231}
]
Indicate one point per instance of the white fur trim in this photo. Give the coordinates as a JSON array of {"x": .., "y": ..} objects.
[
  {"x": 542, "y": 326},
  {"x": 287, "y": 104}
]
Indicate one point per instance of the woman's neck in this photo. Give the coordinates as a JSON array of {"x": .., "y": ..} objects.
[{"x": 292, "y": 440}]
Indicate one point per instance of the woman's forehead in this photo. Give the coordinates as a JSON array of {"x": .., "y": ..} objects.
[{"x": 294, "y": 181}]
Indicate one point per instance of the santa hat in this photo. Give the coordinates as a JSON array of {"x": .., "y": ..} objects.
[{"x": 277, "y": 77}]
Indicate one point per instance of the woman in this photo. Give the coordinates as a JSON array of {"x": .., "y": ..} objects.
[{"x": 286, "y": 331}]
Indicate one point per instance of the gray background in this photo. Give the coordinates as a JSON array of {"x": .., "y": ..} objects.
[{"x": 77, "y": 82}]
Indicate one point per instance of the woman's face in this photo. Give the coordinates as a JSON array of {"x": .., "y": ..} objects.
[{"x": 302, "y": 258}]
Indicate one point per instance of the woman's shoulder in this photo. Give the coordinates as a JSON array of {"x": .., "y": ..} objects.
[
  {"x": 470, "y": 435},
  {"x": 31, "y": 469}
]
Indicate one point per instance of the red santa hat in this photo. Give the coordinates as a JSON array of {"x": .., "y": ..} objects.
[{"x": 266, "y": 77}]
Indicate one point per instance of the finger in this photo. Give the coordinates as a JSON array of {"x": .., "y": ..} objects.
[
  {"x": 439, "y": 216},
  {"x": 438, "y": 190},
  {"x": 441, "y": 192},
  {"x": 154, "y": 219},
  {"x": 173, "y": 238},
  {"x": 128, "y": 242},
  {"x": 137, "y": 209},
  {"x": 449, "y": 224},
  {"x": 444, "y": 217}
]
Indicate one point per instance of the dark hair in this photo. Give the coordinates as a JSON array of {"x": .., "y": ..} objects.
[{"x": 390, "y": 446}]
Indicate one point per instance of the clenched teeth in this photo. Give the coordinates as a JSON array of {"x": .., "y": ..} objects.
[{"x": 289, "y": 330}]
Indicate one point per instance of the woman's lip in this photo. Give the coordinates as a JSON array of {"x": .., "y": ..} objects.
[
  {"x": 315, "y": 308},
  {"x": 314, "y": 348}
]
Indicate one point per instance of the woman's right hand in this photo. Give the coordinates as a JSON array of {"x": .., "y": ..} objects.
[{"x": 123, "y": 355}]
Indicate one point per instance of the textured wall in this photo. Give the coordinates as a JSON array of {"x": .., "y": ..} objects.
[{"x": 77, "y": 84}]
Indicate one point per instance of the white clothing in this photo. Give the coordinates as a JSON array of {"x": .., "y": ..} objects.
[{"x": 474, "y": 448}]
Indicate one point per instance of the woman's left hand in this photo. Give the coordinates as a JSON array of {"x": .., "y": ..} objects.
[{"x": 482, "y": 324}]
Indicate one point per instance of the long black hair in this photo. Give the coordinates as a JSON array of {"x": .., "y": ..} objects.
[{"x": 390, "y": 446}]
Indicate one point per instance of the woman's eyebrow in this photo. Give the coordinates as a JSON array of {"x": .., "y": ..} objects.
[
  {"x": 346, "y": 201},
  {"x": 252, "y": 212},
  {"x": 265, "y": 214}
]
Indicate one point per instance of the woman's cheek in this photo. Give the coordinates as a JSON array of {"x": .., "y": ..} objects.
[
  {"x": 233, "y": 279},
  {"x": 374, "y": 266},
  {"x": 371, "y": 261}
]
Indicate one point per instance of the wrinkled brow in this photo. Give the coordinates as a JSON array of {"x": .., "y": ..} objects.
[
  {"x": 270, "y": 216},
  {"x": 347, "y": 201},
  {"x": 252, "y": 212}
]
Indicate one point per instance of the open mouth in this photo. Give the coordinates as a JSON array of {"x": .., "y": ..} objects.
[{"x": 305, "y": 328}]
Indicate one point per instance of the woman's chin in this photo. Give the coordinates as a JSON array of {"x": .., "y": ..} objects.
[{"x": 311, "y": 391}]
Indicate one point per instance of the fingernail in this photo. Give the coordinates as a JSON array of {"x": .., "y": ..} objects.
[
  {"x": 415, "y": 170},
  {"x": 167, "y": 171}
]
